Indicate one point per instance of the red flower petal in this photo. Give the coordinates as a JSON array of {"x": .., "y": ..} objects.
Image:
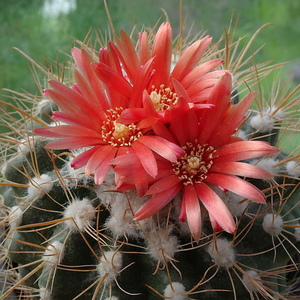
[
  {"x": 199, "y": 71},
  {"x": 163, "y": 184},
  {"x": 162, "y": 147},
  {"x": 104, "y": 166},
  {"x": 67, "y": 131},
  {"x": 144, "y": 49},
  {"x": 100, "y": 156},
  {"x": 243, "y": 150},
  {"x": 146, "y": 158},
  {"x": 114, "y": 81},
  {"x": 72, "y": 143},
  {"x": 211, "y": 119},
  {"x": 128, "y": 55},
  {"x": 157, "y": 202},
  {"x": 215, "y": 206},
  {"x": 237, "y": 186},
  {"x": 241, "y": 169},
  {"x": 162, "y": 51},
  {"x": 232, "y": 121},
  {"x": 82, "y": 159},
  {"x": 63, "y": 95},
  {"x": 193, "y": 211},
  {"x": 190, "y": 57}
]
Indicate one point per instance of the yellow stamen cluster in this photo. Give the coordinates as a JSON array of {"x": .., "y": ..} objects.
[
  {"x": 118, "y": 134},
  {"x": 163, "y": 98},
  {"x": 193, "y": 166}
]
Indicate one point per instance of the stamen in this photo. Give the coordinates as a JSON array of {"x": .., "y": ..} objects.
[
  {"x": 163, "y": 98},
  {"x": 118, "y": 134},
  {"x": 193, "y": 166}
]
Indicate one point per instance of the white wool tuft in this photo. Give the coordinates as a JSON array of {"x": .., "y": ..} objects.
[
  {"x": 39, "y": 186},
  {"x": 3, "y": 169},
  {"x": 175, "y": 291},
  {"x": 54, "y": 253},
  {"x": 250, "y": 279},
  {"x": 107, "y": 191},
  {"x": 235, "y": 203},
  {"x": 73, "y": 176},
  {"x": 297, "y": 233},
  {"x": 81, "y": 214},
  {"x": 272, "y": 224},
  {"x": 122, "y": 207},
  {"x": 122, "y": 225},
  {"x": 45, "y": 293},
  {"x": 15, "y": 217},
  {"x": 26, "y": 145},
  {"x": 293, "y": 169},
  {"x": 269, "y": 164},
  {"x": 221, "y": 252},
  {"x": 262, "y": 123},
  {"x": 161, "y": 244},
  {"x": 242, "y": 134},
  {"x": 110, "y": 265},
  {"x": 279, "y": 114}
]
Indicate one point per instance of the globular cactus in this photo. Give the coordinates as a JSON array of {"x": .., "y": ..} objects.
[{"x": 144, "y": 195}]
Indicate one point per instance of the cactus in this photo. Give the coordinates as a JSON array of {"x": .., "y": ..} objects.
[{"x": 81, "y": 224}]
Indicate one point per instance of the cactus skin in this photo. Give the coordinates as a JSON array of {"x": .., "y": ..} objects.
[{"x": 72, "y": 239}]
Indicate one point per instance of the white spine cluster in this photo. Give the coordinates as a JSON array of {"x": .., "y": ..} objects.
[
  {"x": 54, "y": 253},
  {"x": 272, "y": 224},
  {"x": 39, "y": 186},
  {"x": 79, "y": 214},
  {"x": 15, "y": 217},
  {"x": 110, "y": 266},
  {"x": 221, "y": 252},
  {"x": 250, "y": 280},
  {"x": 175, "y": 291}
]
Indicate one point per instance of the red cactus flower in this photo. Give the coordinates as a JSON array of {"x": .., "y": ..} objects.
[
  {"x": 108, "y": 111},
  {"x": 197, "y": 79},
  {"x": 212, "y": 156},
  {"x": 91, "y": 113}
]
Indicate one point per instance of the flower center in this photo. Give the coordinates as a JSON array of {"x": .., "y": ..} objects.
[
  {"x": 193, "y": 166},
  {"x": 118, "y": 134},
  {"x": 163, "y": 98}
]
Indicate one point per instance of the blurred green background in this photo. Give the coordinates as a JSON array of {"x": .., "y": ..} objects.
[{"x": 46, "y": 28}]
